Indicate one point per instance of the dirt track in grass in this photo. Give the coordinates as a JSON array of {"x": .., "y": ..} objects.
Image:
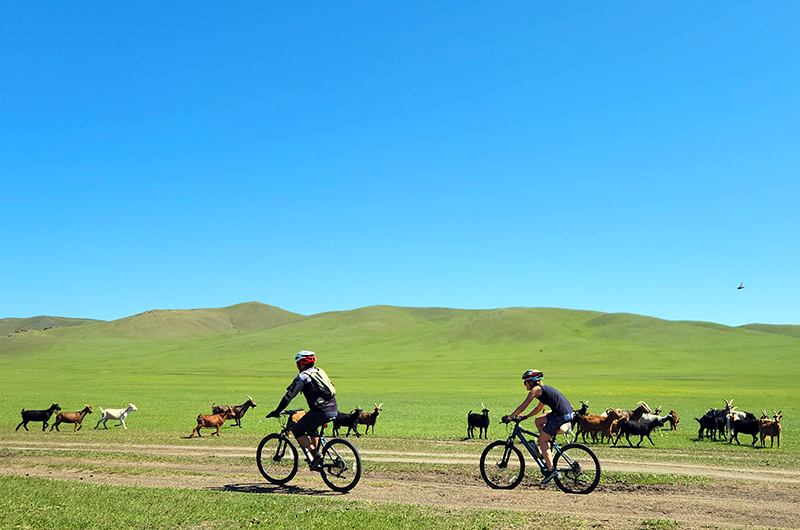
[{"x": 733, "y": 499}]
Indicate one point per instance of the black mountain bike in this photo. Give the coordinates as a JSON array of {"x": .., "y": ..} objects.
[
  {"x": 277, "y": 458},
  {"x": 503, "y": 466}
]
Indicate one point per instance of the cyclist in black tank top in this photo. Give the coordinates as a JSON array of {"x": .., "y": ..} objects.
[{"x": 548, "y": 424}]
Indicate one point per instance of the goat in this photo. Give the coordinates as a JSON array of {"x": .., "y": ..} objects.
[
  {"x": 72, "y": 417},
  {"x": 641, "y": 428},
  {"x": 673, "y": 420},
  {"x": 115, "y": 414},
  {"x": 771, "y": 428},
  {"x": 631, "y": 415},
  {"x": 569, "y": 429},
  {"x": 37, "y": 415},
  {"x": 481, "y": 421},
  {"x": 350, "y": 421},
  {"x": 708, "y": 425},
  {"x": 657, "y": 414},
  {"x": 597, "y": 423},
  {"x": 636, "y": 414},
  {"x": 211, "y": 420},
  {"x": 750, "y": 427},
  {"x": 369, "y": 418},
  {"x": 238, "y": 410}
]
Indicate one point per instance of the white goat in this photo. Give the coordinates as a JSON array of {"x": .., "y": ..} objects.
[{"x": 115, "y": 414}]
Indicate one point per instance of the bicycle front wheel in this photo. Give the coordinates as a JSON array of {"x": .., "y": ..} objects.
[
  {"x": 579, "y": 469},
  {"x": 277, "y": 458},
  {"x": 341, "y": 465},
  {"x": 502, "y": 465}
]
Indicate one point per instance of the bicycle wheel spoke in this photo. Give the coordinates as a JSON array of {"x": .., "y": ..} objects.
[
  {"x": 579, "y": 469},
  {"x": 341, "y": 465},
  {"x": 502, "y": 465},
  {"x": 276, "y": 458}
]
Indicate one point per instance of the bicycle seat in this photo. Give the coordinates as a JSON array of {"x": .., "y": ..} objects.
[{"x": 291, "y": 412}]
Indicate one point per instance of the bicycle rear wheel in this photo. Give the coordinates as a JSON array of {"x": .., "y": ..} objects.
[
  {"x": 277, "y": 458},
  {"x": 502, "y": 465},
  {"x": 578, "y": 467},
  {"x": 341, "y": 465}
]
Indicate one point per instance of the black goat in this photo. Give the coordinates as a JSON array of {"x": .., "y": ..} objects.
[
  {"x": 638, "y": 428},
  {"x": 37, "y": 415},
  {"x": 347, "y": 420},
  {"x": 713, "y": 423},
  {"x": 481, "y": 421},
  {"x": 745, "y": 427}
]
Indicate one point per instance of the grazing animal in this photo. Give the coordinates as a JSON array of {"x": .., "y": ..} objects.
[
  {"x": 639, "y": 428},
  {"x": 115, "y": 414},
  {"x": 37, "y": 415},
  {"x": 72, "y": 417},
  {"x": 349, "y": 420},
  {"x": 673, "y": 420},
  {"x": 479, "y": 421},
  {"x": 369, "y": 418},
  {"x": 635, "y": 414},
  {"x": 750, "y": 427},
  {"x": 212, "y": 420},
  {"x": 598, "y": 423},
  {"x": 569, "y": 429},
  {"x": 238, "y": 410},
  {"x": 771, "y": 428},
  {"x": 709, "y": 425}
]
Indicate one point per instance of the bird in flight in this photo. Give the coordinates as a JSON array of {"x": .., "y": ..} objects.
[{"x": 741, "y": 286}]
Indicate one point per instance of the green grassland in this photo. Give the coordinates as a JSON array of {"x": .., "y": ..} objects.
[{"x": 428, "y": 366}]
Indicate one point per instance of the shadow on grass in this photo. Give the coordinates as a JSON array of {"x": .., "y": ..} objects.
[{"x": 274, "y": 489}]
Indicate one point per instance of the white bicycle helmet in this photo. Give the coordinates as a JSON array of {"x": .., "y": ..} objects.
[{"x": 305, "y": 357}]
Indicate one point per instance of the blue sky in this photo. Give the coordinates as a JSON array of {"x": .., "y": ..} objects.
[{"x": 636, "y": 157}]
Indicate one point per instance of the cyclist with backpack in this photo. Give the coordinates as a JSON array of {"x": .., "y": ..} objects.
[
  {"x": 548, "y": 424},
  {"x": 321, "y": 397}
]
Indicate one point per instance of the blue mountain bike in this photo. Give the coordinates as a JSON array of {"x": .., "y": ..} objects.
[{"x": 503, "y": 466}]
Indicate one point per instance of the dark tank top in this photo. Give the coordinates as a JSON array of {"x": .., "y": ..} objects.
[{"x": 555, "y": 400}]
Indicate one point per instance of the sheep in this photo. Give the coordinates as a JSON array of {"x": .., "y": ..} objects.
[
  {"x": 238, "y": 410},
  {"x": 641, "y": 428},
  {"x": 350, "y": 421},
  {"x": 212, "y": 420},
  {"x": 770, "y": 428},
  {"x": 115, "y": 414},
  {"x": 369, "y": 418},
  {"x": 37, "y": 415},
  {"x": 597, "y": 423},
  {"x": 72, "y": 417},
  {"x": 481, "y": 421}
]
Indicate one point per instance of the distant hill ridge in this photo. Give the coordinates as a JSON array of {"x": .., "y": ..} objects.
[{"x": 510, "y": 324}]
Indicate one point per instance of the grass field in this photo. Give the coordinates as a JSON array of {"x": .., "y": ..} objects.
[{"x": 429, "y": 367}]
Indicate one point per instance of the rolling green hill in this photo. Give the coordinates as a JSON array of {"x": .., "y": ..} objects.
[
  {"x": 11, "y": 325},
  {"x": 415, "y": 360}
]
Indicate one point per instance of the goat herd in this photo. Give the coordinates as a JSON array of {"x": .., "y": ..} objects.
[
  {"x": 641, "y": 421},
  {"x": 215, "y": 420},
  {"x": 725, "y": 423}
]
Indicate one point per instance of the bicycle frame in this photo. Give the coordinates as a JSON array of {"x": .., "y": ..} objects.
[{"x": 532, "y": 448}]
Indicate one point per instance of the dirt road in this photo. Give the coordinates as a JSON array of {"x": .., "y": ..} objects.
[{"x": 735, "y": 499}]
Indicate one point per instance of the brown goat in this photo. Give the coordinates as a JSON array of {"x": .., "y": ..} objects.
[
  {"x": 369, "y": 418},
  {"x": 72, "y": 417},
  {"x": 211, "y": 420},
  {"x": 597, "y": 423},
  {"x": 238, "y": 410},
  {"x": 770, "y": 428}
]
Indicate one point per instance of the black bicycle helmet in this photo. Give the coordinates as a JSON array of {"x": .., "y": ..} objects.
[{"x": 532, "y": 375}]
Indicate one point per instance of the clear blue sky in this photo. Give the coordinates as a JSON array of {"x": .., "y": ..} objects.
[{"x": 635, "y": 157}]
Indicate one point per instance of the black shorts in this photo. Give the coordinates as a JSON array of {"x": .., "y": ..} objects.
[{"x": 309, "y": 423}]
